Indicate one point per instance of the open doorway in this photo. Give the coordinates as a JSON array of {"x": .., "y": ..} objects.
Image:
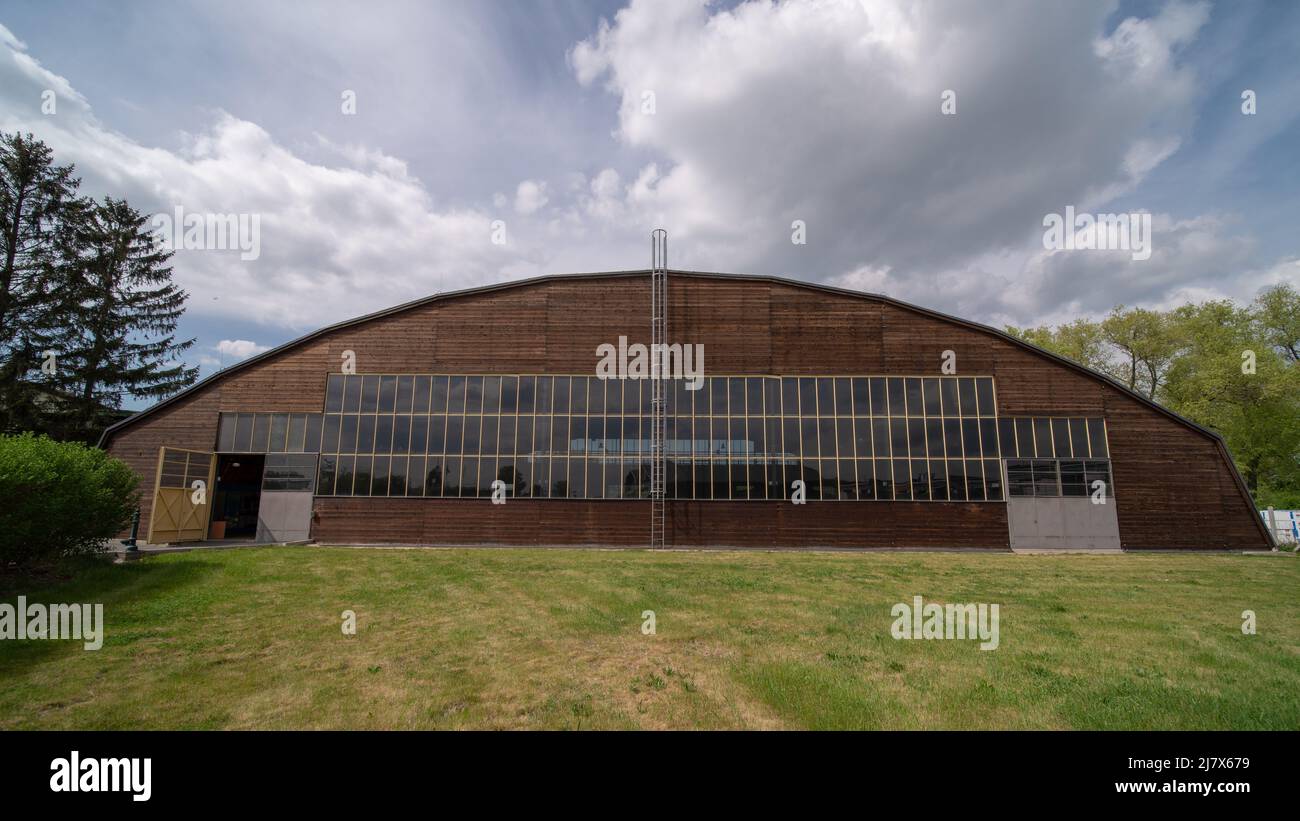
[{"x": 238, "y": 496}]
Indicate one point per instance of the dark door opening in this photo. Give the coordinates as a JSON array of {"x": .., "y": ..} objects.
[{"x": 238, "y": 494}]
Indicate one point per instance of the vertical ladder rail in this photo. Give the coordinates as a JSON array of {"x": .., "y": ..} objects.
[{"x": 658, "y": 405}]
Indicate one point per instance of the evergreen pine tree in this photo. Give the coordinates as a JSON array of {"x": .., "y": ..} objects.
[
  {"x": 36, "y": 197},
  {"x": 127, "y": 312}
]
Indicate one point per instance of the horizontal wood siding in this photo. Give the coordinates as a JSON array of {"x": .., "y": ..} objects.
[
  {"x": 1174, "y": 487},
  {"x": 617, "y": 523}
]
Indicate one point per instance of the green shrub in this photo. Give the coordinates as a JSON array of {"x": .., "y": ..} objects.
[{"x": 59, "y": 498}]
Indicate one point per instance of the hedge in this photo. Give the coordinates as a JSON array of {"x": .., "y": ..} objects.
[{"x": 59, "y": 499}]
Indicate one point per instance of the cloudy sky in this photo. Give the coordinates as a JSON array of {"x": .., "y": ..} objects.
[{"x": 582, "y": 126}]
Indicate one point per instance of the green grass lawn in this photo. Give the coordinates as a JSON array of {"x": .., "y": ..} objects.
[{"x": 494, "y": 638}]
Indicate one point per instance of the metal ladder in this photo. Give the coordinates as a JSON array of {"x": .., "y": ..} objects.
[{"x": 658, "y": 403}]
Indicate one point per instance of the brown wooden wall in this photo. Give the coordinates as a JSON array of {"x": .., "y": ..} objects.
[{"x": 1173, "y": 485}]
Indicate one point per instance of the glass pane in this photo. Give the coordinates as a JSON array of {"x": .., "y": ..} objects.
[
  {"x": 437, "y": 434},
  {"x": 843, "y": 397},
  {"x": 325, "y": 478},
  {"x": 902, "y": 480},
  {"x": 984, "y": 389},
  {"x": 862, "y": 437},
  {"x": 825, "y": 396},
  {"x": 1025, "y": 438},
  {"x": 938, "y": 480},
  {"x": 369, "y": 395},
  {"x": 993, "y": 480},
  {"x": 329, "y": 440},
  {"x": 898, "y": 441},
  {"x": 920, "y": 479},
  {"x": 471, "y": 443},
  {"x": 1043, "y": 438},
  {"x": 420, "y": 401},
  {"x": 808, "y": 438},
  {"x": 261, "y": 432},
  {"x": 866, "y": 479},
  {"x": 361, "y": 483},
  {"x": 401, "y": 433},
  {"x": 844, "y": 437},
  {"x": 970, "y": 437},
  {"x": 966, "y": 388},
  {"x": 312, "y": 436},
  {"x": 952, "y": 438},
  {"x": 387, "y": 393},
  {"x": 916, "y": 438},
  {"x": 975, "y": 480},
  {"x": 957, "y": 480},
  {"x": 365, "y": 434},
  {"x": 560, "y": 394},
  {"x": 379, "y": 476},
  {"x": 718, "y": 396},
  {"x": 1007, "y": 437},
  {"x": 450, "y": 484},
  {"x": 351, "y": 395},
  {"x": 934, "y": 443},
  {"x": 491, "y": 394},
  {"x": 879, "y": 397},
  {"x": 334, "y": 394},
  {"x": 441, "y": 391},
  {"x": 933, "y": 402},
  {"x": 279, "y": 433},
  {"x": 420, "y": 434},
  {"x": 383, "y": 434},
  {"x": 545, "y": 387},
  {"x": 473, "y": 400},
  {"x": 880, "y": 437},
  {"x": 789, "y": 396},
  {"x": 343, "y": 480},
  {"x": 807, "y": 396},
  {"x": 226, "y": 432},
  {"x": 397, "y": 476},
  {"x": 988, "y": 437},
  {"x": 506, "y": 442},
  {"x": 456, "y": 396},
  {"x": 884, "y": 479},
  {"x": 455, "y": 435},
  {"x": 527, "y": 393},
  {"x": 948, "y": 388},
  {"x": 509, "y": 394},
  {"x": 1079, "y": 438},
  {"x": 736, "y": 395},
  {"x": 488, "y": 440},
  {"x": 297, "y": 426},
  {"x": 861, "y": 396},
  {"x": 790, "y": 436},
  {"x": 754, "y": 396},
  {"x": 1061, "y": 438},
  {"x": 1097, "y": 438},
  {"x": 415, "y": 476},
  {"x": 434, "y": 473},
  {"x": 915, "y": 406},
  {"x": 433, "y": 476},
  {"x": 579, "y": 391},
  {"x": 897, "y": 404}
]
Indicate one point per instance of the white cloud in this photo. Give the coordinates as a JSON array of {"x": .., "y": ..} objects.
[
  {"x": 337, "y": 239},
  {"x": 530, "y": 196},
  {"x": 240, "y": 348},
  {"x": 829, "y": 112}
]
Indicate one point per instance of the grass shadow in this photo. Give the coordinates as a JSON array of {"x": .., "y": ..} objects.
[{"x": 91, "y": 581}]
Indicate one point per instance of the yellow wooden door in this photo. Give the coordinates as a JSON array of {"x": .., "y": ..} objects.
[{"x": 182, "y": 496}]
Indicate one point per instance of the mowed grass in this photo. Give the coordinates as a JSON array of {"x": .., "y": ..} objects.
[{"x": 495, "y": 638}]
